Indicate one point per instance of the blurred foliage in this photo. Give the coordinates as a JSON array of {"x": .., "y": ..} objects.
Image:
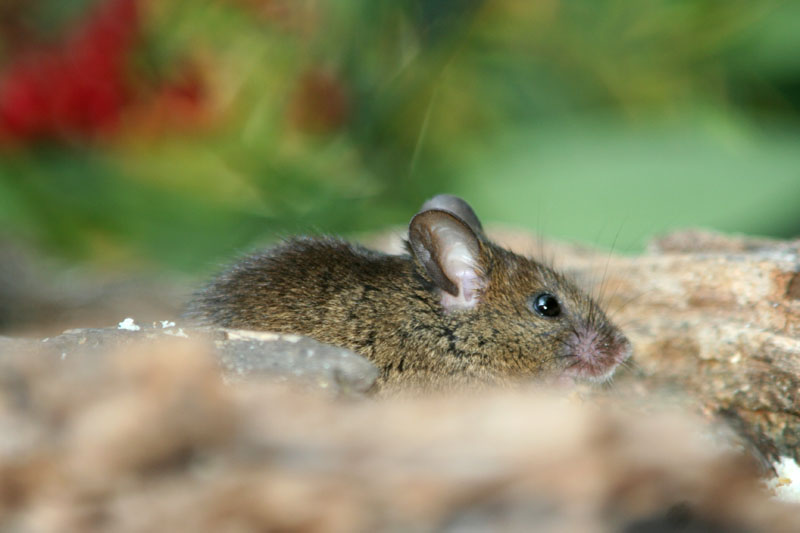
[{"x": 227, "y": 122}]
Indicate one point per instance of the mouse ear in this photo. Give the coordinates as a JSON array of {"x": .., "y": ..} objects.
[
  {"x": 457, "y": 206},
  {"x": 450, "y": 251}
]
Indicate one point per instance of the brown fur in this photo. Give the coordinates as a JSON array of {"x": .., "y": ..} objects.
[{"x": 388, "y": 309}]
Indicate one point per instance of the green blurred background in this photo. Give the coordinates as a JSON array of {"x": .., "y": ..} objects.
[{"x": 172, "y": 135}]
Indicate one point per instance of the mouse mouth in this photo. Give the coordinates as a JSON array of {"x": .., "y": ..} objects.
[{"x": 594, "y": 354}]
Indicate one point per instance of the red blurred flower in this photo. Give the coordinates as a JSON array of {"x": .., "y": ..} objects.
[
  {"x": 84, "y": 87},
  {"x": 76, "y": 89}
]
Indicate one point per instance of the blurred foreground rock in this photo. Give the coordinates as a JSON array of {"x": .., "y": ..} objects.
[
  {"x": 143, "y": 435},
  {"x": 713, "y": 316}
]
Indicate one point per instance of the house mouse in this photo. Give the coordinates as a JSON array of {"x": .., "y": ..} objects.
[{"x": 457, "y": 310}]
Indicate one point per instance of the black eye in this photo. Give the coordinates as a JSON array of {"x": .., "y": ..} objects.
[{"x": 546, "y": 305}]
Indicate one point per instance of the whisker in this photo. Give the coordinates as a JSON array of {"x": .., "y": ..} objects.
[
  {"x": 629, "y": 301},
  {"x": 608, "y": 260}
]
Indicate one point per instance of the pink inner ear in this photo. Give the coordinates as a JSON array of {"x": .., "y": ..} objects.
[
  {"x": 469, "y": 284},
  {"x": 457, "y": 257}
]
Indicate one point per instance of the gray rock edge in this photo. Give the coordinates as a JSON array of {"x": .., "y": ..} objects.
[{"x": 242, "y": 355}]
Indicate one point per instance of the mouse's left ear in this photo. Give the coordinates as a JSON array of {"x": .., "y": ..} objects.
[
  {"x": 457, "y": 206},
  {"x": 450, "y": 251}
]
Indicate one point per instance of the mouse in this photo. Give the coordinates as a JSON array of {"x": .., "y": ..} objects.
[{"x": 456, "y": 310}]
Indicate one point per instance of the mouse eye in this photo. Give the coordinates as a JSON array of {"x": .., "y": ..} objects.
[{"x": 545, "y": 304}]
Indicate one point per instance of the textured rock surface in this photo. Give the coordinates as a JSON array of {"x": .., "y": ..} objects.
[
  {"x": 148, "y": 438},
  {"x": 248, "y": 354},
  {"x": 715, "y": 316},
  {"x": 242, "y": 355}
]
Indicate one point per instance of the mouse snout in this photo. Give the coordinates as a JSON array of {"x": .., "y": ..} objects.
[{"x": 594, "y": 354}]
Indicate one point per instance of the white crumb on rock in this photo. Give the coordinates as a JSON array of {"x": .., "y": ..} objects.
[
  {"x": 129, "y": 325},
  {"x": 167, "y": 324},
  {"x": 786, "y": 485},
  {"x": 173, "y": 333}
]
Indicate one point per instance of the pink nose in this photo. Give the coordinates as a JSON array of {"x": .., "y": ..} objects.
[{"x": 596, "y": 354}]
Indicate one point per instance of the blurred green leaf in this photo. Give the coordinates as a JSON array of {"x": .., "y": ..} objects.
[
  {"x": 575, "y": 118},
  {"x": 606, "y": 182}
]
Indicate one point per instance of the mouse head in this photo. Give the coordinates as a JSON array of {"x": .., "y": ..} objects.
[{"x": 517, "y": 317}]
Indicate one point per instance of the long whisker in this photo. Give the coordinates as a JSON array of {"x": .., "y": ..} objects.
[{"x": 629, "y": 301}]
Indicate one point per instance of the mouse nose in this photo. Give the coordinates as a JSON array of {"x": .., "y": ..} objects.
[{"x": 595, "y": 354}]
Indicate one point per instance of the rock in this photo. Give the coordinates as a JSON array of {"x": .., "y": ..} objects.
[
  {"x": 242, "y": 355},
  {"x": 147, "y": 438},
  {"x": 247, "y": 353}
]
